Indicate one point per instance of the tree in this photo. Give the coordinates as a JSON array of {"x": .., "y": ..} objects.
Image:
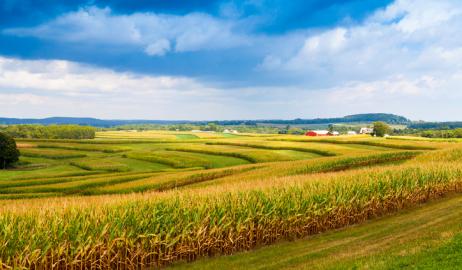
[
  {"x": 8, "y": 151},
  {"x": 331, "y": 129},
  {"x": 380, "y": 129},
  {"x": 295, "y": 131}
]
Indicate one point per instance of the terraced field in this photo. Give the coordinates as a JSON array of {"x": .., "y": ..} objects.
[
  {"x": 155, "y": 198},
  {"x": 116, "y": 160}
]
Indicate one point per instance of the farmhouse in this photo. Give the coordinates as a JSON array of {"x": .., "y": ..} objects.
[
  {"x": 351, "y": 132},
  {"x": 314, "y": 133},
  {"x": 233, "y": 131},
  {"x": 365, "y": 130}
]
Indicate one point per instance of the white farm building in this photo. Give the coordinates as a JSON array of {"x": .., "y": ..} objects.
[{"x": 366, "y": 130}]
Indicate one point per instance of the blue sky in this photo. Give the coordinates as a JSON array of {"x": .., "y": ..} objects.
[{"x": 241, "y": 59}]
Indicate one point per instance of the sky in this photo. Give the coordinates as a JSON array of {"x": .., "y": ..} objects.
[{"x": 230, "y": 59}]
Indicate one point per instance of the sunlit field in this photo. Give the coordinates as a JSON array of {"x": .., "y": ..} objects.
[{"x": 158, "y": 198}]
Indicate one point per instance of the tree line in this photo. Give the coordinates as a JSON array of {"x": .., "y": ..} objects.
[
  {"x": 188, "y": 127},
  {"x": 449, "y": 133},
  {"x": 435, "y": 125},
  {"x": 50, "y": 132}
]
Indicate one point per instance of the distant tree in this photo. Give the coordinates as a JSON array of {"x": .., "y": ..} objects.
[
  {"x": 8, "y": 151},
  {"x": 457, "y": 133},
  {"x": 212, "y": 127},
  {"x": 380, "y": 129},
  {"x": 295, "y": 131},
  {"x": 331, "y": 128},
  {"x": 284, "y": 130}
]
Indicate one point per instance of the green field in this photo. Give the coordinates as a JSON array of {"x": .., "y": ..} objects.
[{"x": 154, "y": 198}]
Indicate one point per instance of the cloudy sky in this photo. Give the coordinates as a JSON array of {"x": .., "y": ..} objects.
[{"x": 230, "y": 59}]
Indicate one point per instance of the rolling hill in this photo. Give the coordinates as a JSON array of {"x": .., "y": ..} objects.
[{"x": 356, "y": 118}]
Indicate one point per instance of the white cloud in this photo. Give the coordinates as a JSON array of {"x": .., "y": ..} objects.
[
  {"x": 154, "y": 33},
  {"x": 39, "y": 88},
  {"x": 387, "y": 89},
  {"x": 409, "y": 37},
  {"x": 21, "y": 99},
  {"x": 42, "y": 88},
  {"x": 65, "y": 88},
  {"x": 410, "y": 16},
  {"x": 68, "y": 78},
  {"x": 159, "y": 47}
]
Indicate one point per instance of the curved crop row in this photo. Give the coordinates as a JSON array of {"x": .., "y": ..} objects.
[
  {"x": 100, "y": 165},
  {"x": 108, "y": 141},
  {"x": 89, "y": 148},
  {"x": 270, "y": 147},
  {"x": 355, "y": 162},
  {"x": 51, "y": 154},
  {"x": 77, "y": 185},
  {"x": 218, "y": 153},
  {"x": 362, "y": 142},
  {"x": 172, "y": 181},
  {"x": 172, "y": 159}
]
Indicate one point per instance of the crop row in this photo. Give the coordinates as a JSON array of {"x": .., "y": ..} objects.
[
  {"x": 355, "y": 162},
  {"x": 172, "y": 181},
  {"x": 363, "y": 142},
  {"x": 271, "y": 147},
  {"x": 100, "y": 165},
  {"x": 68, "y": 185},
  {"x": 172, "y": 159},
  {"x": 249, "y": 155},
  {"x": 249, "y": 158},
  {"x": 51, "y": 154},
  {"x": 423, "y": 139},
  {"x": 316, "y": 166},
  {"x": 107, "y": 141},
  {"x": 92, "y": 148}
]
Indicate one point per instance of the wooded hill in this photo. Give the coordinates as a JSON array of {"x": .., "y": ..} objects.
[{"x": 357, "y": 118}]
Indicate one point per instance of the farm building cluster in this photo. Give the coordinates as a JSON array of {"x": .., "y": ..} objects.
[{"x": 315, "y": 133}]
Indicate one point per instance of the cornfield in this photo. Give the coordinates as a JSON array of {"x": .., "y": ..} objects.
[{"x": 164, "y": 216}]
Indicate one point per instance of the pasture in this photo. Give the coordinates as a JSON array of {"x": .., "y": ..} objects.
[{"x": 155, "y": 198}]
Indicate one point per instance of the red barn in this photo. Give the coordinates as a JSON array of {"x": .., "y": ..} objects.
[{"x": 314, "y": 133}]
